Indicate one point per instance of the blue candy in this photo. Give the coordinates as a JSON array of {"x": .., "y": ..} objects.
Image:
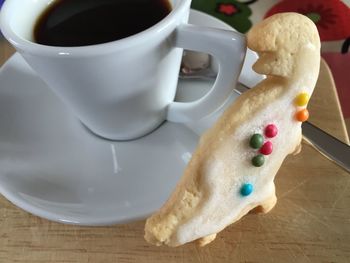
[{"x": 246, "y": 189}]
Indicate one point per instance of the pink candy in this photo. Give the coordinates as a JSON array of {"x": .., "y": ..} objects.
[
  {"x": 267, "y": 148},
  {"x": 271, "y": 131}
]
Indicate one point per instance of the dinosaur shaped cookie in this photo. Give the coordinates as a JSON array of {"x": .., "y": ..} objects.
[{"x": 233, "y": 168}]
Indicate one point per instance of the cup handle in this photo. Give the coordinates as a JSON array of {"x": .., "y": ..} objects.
[{"x": 229, "y": 48}]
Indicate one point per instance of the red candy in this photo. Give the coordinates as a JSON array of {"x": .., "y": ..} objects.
[
  {"x": 271, "y": 131},
  {"x": 267, "y": 148}
]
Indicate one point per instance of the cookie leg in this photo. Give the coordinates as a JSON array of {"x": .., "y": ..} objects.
[
  {"x": 205, "y": 240},
  {"x": 266, "y": 206}
]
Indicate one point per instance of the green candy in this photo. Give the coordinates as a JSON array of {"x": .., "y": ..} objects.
[
  {"x": 256, "y": 141},
  {"x": 258, "y": 160}
]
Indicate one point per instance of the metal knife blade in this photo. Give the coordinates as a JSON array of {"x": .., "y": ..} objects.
[{"x": 328, "y": 145}]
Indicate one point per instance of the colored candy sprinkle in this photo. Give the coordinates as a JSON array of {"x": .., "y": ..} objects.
[
  {"x": 267, "y": 148},
  {"x": 246, "y": 189},
  {"x": 302, "y": 115},
  {"x": 258, "y": 160},
  {"x": 256, "y": 141},
  {"x": 271, "y": 131},
  {"x": 302, "y": 99}
]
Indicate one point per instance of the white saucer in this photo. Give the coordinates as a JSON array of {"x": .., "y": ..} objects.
[{"x": 51, "y": 166}]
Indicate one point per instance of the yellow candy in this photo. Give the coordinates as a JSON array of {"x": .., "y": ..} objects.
[{"x": 302, "y": 99}]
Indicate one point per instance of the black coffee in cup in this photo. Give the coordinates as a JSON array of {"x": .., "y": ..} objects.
[{"x": 89, "y": 22}]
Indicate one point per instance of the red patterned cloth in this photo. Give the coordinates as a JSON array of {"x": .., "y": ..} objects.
[{"x": 332, "y": 17}]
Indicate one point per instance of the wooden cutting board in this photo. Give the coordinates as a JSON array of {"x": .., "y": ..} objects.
[{"x": 311, "y": 222}]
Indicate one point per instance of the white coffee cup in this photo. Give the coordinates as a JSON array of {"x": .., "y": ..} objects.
[{"x": 124, "y": 89}]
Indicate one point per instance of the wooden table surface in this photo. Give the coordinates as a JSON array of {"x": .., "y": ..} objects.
[{"x": 311, "y": 222}]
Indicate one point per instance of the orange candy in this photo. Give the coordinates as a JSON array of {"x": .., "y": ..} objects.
[{"x": 302, "y": 115}]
